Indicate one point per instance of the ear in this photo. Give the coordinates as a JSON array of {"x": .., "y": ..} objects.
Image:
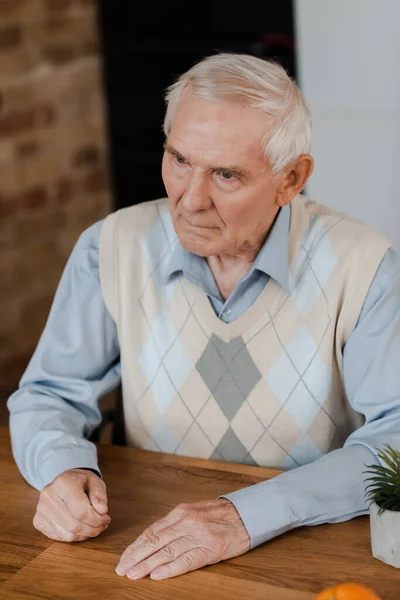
[{"x": 295, "y": 177}]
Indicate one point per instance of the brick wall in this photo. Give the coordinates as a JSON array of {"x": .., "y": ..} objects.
[{"x": 54, "y": 180}]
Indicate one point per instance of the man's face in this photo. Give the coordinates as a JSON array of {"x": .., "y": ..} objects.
[{"x": 221, "y": 190}]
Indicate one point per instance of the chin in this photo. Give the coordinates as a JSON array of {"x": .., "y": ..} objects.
[{"x": 197, "y": 246}]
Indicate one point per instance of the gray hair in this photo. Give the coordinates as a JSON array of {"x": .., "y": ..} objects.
[{"x": 256, "y": 83}]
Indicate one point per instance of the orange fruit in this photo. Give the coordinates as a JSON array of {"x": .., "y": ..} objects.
[{"x": 348, "y": 591}]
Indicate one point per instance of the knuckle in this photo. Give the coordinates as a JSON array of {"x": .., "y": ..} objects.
[
  {"x": 185, "y": 511},
  {"x": 80, "y": 514},
  {"x": 214, "y": 542},
  {"x": 95, "y": 532},
  {"x": 180, "y": 509},
  {"x": 169, "y": 553},
  {"x": 151, "y": 539},
  {"x": 70, "y": 537},
  {"x": 192, "y": 518},
  {"x": 187, "y": 560},
  {"x": 203, "y": 555},
  {"x": 75, "y": 529}
]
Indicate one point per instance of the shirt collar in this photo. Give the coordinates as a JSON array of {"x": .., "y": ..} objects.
[{"x": 273, "y": 258}]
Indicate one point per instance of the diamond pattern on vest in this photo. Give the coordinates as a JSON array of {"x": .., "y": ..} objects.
[
  {"x": 231, "y": 446},
  {"x": 218, "y": 366}
]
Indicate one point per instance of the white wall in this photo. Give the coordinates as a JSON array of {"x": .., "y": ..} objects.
[{"x": 349, "y": 71}]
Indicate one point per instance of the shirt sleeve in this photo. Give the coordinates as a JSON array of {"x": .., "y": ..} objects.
[
  {"x": 332, "y": 489},
  {"x": 76, "y": 362}
]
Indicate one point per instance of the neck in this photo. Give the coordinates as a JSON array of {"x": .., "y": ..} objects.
[
  {"x": 225, "y": 264},
  {"x": 229, "y": 270}
]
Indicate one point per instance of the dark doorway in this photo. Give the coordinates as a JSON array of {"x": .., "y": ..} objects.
[{"x": 146, "y": 46}]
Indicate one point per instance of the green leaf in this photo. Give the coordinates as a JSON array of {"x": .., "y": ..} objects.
[
  {"x": 383, "y": 483},
  {"x": 391, "y": 457},
  {"x": 380, "y": 469}
]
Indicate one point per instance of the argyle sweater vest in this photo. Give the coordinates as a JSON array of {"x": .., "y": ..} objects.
[{"x": 266, "y": 389}]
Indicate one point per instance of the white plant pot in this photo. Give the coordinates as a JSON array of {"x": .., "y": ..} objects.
[{"x": 385, "y": 535}]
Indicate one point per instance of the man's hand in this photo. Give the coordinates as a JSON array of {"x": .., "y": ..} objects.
[
  {"x": 73, "y": 507},
  {"x": 189, "y": 537}
]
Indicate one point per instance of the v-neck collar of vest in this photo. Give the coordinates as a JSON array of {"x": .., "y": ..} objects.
[
  {"x": 201, "y": 306},
  {"x": 203, "y": 311}
]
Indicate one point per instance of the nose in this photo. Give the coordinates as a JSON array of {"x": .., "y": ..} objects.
[{"x": 196, "y": 195}]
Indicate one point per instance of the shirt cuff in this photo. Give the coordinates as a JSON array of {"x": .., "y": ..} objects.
[
  {"x": 64, "y": 460},
  {"x": 263, "y": 510}
]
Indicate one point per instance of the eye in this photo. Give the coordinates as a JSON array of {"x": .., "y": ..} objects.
[
  {"x": 227, "y": 176},
  {"x": 180, "y": 160}
]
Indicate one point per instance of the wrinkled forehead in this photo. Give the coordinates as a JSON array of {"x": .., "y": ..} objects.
[{"x": 217, "y": 130}]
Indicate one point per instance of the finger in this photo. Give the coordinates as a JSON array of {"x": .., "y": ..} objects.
[
  {"x": 42, "y": 524},
  {"x": 79, "y": 506},
  {"x": 147, "y": 544},
  {"x": 149, "y": 541},
  {"x": 70, "y": 524},
  {"x": 97, "y": 523},
  {"x": 51, "y": 529},
  {"x": 170, "y": 519},
  {"x": 55, "y": 510},
  {"x": 96, "y": 491},
  {"x": 190, "y": 561},
  {"x": 57, "y": 530},
  {"x": 174, "y": 516},
  {"x": 166, "y": 555},
  {"x": 98, "y": 502}
]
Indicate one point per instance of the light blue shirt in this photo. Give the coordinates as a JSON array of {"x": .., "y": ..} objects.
[{"x": 76, "y": 362}]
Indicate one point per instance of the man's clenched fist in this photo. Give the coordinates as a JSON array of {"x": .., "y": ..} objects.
[{"x": 73, "y": 507}]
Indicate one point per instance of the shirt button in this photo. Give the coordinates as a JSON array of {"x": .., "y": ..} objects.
[{"x": 227, "y": 311}]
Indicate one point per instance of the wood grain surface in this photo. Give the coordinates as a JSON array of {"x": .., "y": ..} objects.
[{"x": 142, "y": 487}]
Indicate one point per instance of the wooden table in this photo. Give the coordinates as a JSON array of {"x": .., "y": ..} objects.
[{"x": 142, "y": 487}]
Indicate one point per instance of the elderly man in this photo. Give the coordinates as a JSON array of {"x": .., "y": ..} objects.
[{"x": 246, "y": 323}]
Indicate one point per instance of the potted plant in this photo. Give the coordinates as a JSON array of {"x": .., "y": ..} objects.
[{"x": 383, "y": 494}]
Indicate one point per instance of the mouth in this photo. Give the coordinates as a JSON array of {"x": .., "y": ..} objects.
[{"x": 196, "y": 225}]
